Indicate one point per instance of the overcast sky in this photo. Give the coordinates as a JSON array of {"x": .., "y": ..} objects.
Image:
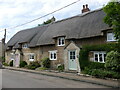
[{"x": 15, "y": 12}]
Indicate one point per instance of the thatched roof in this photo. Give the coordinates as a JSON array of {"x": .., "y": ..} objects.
[{"x": 85, "y": 25}]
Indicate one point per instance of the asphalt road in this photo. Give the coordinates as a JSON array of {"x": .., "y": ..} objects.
[{"x": 17, "y": 79}]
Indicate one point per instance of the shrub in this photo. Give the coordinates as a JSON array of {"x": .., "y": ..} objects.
[
  {"x": 3, "y": 59},
  {"x": 33, "y": 65},
  {"x": 11, "y": 63},
  {"x": 5, "y": 64},
  {"x": 60, "y": 67},
  {"x": 23, "y": 63},
  {"x": 41, "y": 68},
  {"x": 45, "y": 62},
  {"x": 84, "y": 52},
  {"x": 113, "y": 61},
  {"x": 102, "y": 73},
  {"x": 95, "y": 65}
]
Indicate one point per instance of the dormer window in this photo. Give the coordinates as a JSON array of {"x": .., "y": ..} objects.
[
  {"x": 25, "y": 45},
  {"x": 61, "y": 41},
  {"x": 111, "y": 36}
]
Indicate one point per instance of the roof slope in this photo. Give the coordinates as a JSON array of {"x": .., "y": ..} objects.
[
  {"x": 82, "y": 26},
  {"x": 86, "y": 25},
  {"x": 24, "y": 36}
]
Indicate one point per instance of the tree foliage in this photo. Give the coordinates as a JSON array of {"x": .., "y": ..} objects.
[
  {"x": 112, "y": 18},
  {"x": 48, "y": 21},
  {"x": 113, "y": 61}
]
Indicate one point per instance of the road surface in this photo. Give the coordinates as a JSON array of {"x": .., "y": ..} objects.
[{"x": 17, "y": 79}]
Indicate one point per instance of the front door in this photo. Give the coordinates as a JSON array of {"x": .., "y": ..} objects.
[
  {"x": 16, "y": 60},
  {"x": 72, "y": 60}
]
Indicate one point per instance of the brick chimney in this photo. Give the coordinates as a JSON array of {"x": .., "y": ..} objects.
[{"x": 85, "y": 8}]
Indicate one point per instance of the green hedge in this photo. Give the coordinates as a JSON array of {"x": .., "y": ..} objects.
[
  {"x": 33, "y": 65},
  {"x": 45, "y": 62},
  {"x": 99, "y": 73},
  {"x": 113, "y": 61},
  {"x": 84, "y": 59},
  {"x": 23, "y": 64}
]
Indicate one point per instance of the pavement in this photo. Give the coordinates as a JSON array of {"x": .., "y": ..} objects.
[{"x": 114, "y": 83}]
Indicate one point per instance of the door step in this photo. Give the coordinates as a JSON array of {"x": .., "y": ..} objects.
[{"x": 71, "y": 71}]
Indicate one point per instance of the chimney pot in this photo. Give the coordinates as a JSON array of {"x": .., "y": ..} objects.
[
  {"x": 86, "y": 5},
  {"x": 85, "y": 8}
]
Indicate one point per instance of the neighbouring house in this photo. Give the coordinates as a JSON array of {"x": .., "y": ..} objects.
[
  {"x": 1, "y": 52},
  {"x": 61, "y": 41}
]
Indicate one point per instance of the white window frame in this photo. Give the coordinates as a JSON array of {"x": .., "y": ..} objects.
[
  {"x": 31, "y": 55},
  {"x": 24, "y": 45},
  {"x": 53, "y": 53},
  {"x": 112, "y": 35},
  {"x": 98, "y": 53},
  {"x": 59, "y": 41}
]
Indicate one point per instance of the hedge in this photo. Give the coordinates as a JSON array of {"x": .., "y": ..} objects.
[
  {"x": 23, "y": 64},
  {"x": 84, "y": 53},
  {"x": 99, "y": 73},
  {"x": 33, "y": 65}
]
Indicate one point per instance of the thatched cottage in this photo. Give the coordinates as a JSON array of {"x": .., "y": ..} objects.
[{"x": 61, "y": 41}]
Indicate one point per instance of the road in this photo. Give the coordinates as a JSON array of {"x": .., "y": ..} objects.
[{"x": 17, "y": 79}]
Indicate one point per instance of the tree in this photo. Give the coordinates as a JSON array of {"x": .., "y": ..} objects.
[
  {"x": 112, "y": 18},
  {"x": 48, "y": 21}
]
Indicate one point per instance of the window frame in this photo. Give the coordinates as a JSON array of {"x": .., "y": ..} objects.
[
  {"x": 53, "y": 54},
  {"x": 31, "y": 55},
  {"x": 60, "y": 40},
  {"x": 98, "y": 56},
  {"x": 112, "y": 36},
  {"x": 24, "y": 45}
]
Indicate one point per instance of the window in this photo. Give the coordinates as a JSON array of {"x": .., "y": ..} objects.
[
  {"x": 72, "y": 55},
  {"x": 25, "y": 45},
  {"x": 99, "y": 56},
  {"x": 53, "y": 55},
  {"x": 31, "y": 57},
  {"x": 110, "y": 36},
  {"x": 12, "y": 56},
  {"x": 61, "y": 41}
]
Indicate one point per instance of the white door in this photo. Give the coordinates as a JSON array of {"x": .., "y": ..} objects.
[
  {"x": 72, "y": 60},
  {"x": 16, "y": 60}
]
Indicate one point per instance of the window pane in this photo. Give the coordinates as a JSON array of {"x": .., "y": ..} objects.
[
  {"x": 109, "y": 36},
  {"x": 100, "y": 58},
  {"x": 74, "y": 53},
  {"x": 32, "y": 56},
  {"x": 96, "y": 57},
  {"x": 54, "y": 55},
  {"x": 59, "y": 41},
  {"x": 62, "y": 41},
  {"x": 71, "y": 57},
  {"x": 74, "y": 57},
  {"x": 51, "y": 56},
  {"x": 71, "y": 54}
]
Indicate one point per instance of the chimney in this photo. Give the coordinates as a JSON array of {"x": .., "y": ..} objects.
[{"x": 85, "y": 8}]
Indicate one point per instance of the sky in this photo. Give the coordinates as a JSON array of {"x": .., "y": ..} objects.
[{"x": 16, "y": 12}]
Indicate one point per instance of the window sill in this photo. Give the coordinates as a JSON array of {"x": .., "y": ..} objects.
[
  {"x": 99, "y": 62},
  {"x": 53, "y": 59},
  {"x": 111, "y": 40},
  {"x": 60, "y": 45},
  {"x": 31, "y": 60}
]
